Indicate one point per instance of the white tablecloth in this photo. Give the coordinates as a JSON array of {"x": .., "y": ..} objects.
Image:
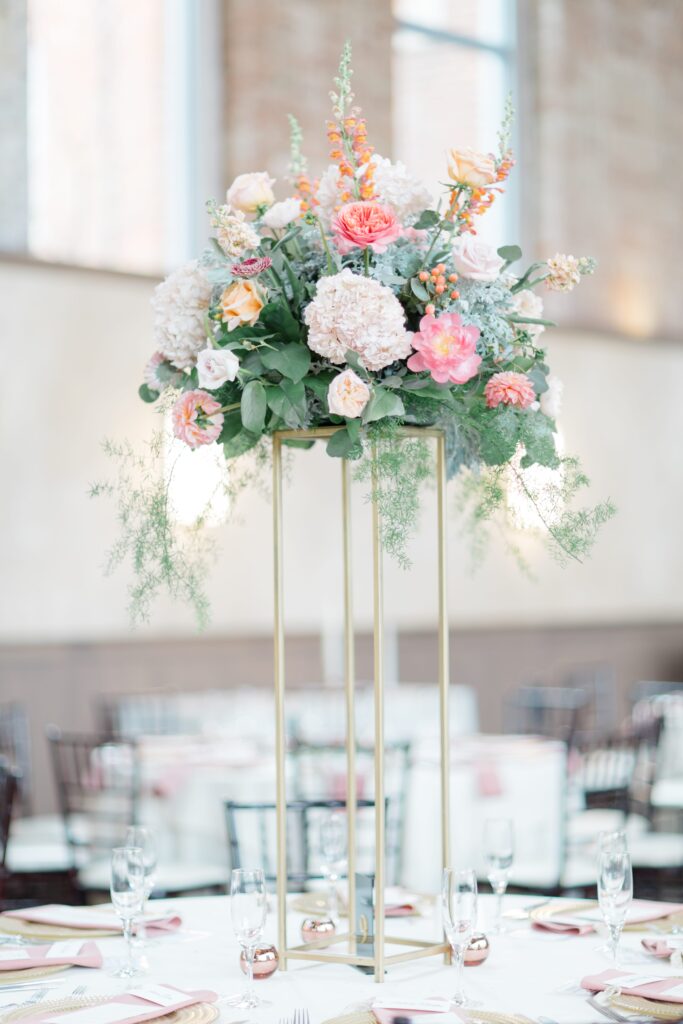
[{"x": 529, "y": 972}]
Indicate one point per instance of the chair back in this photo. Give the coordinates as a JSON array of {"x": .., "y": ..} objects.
[
  {"x": 98, "y": 786},
  {"x": 617, "y": 771},
  {"x": 252, "y": 837},
  {"x": 141, "y": 714},
  {"x": 8, "y": 792},
  {"x": 15, "y": 749},
  {"x": 551, "y": 711}
]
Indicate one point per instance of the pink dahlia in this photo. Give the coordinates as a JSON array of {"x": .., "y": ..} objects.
[
  {"x": 363, "y": 225},
  {"x": 509, "y": 388},
  {"x": 197, "y": 418},
  {"x": 251, "y": 267},
  {"x": 447, "y": 348}
]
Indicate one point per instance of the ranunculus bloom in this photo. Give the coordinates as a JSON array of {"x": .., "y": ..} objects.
[
  {"x": 282, "y": 214},
  {"x": 197, "y": 418},
  {"x": 347, "y": 395},
  {"x": 476, "y": 260},
  {"x": 241, "y": 303},
  {"x": 467, "y": 167},
  {"x": 215, "y": 366},
  {"x": 249, "y": 191},
  {"x": 447, "y": 348},
  {"x": 509, "y": 388},
  {"x": 251, "y": 267},
  {"x": 363, "y": 225}
]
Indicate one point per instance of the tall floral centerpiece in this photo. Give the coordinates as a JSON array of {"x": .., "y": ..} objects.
[{"x": 359, "y": 301}]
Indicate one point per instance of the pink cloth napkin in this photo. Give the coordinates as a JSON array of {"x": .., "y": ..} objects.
[
  {"x": 488, "y": 777},
  {"x": 38, "y": 956},
  {"x": 655, "y": 990},
  {"x": 641, "y": 911},
  {"x": 140, "y": 1009},
  {"x": 658, "y": 947},
  {"x": 76, "y": 917},
  {"x": 567, "y": 925}
]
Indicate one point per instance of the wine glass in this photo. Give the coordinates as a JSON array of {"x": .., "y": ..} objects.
[
  {"x": 248, "y": 909},
  {"x": 499, "y": 848},
  {"x": 459, "y": 910},
  {"x": 333, "y": 850},
  {"x": 615, "y": 892},
  {"x": 127, "y": 897},
  {"x": 143, "y": 839}
]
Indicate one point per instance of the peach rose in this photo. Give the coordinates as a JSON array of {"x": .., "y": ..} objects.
[
  {"x": 347, "y": 395},
  {"x": 467, "y": 167},
  {"x": 241, "y": 303},
  {"x": 248, "y": 191}
]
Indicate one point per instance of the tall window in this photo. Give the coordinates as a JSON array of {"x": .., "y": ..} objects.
[
  {"x": 453, "y": 66},
  {"x": 114, "y": 145}
]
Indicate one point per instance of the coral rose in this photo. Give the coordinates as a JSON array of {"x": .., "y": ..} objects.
[
  {"x": 241, "y": 303},
  {"x": 249, "y": 191},
  {"x": 475, "y": 260},
  {"x": 363, "y": 225},
  {"x": 347, "y": 395},
  {"x": 447, "y": 348},
  {"x": 467, "y": 167},
  {"x": 197, "y": 418},
  {"x": 509, "y": 388}
]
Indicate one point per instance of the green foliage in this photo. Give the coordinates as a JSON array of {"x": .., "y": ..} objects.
[
  {"x": 382, "y": 403},
  {"x": 288, "y": 402},
  {"x": 147, "y": 394},
  {"x": 253, "y": 406},
  {"x": 292, "y": 361}
]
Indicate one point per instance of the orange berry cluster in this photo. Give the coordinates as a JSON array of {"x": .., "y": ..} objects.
[
  {"x": 436, "y": 281},
  {"x": 350, "y": 150}
]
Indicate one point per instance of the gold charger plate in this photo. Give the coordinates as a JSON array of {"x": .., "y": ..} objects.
[
  {"x": 198, "y": 1013},
  {"x": 472, "y": 1017},
  {"x": 38, "y": 932},
  {"x": 651, "y": 1007},
  {"x": 558, "y": 908},
  {"x": 31, "y": 972}
]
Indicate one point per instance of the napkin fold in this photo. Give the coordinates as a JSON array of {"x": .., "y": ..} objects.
[
  {"x": 128, "y": 1008},
  {"x": 567, "y": 925},
  {"x": 667, "y": 990},
  {"x": 54, "y": 955},
  {"x": 82, "y": 918}
]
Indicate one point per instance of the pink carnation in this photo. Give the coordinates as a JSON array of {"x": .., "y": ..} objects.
[
  {"x": 363, "y": 225},
  {"x": 447, "y": 348},
  {"x": 197, "y": 418},
  {"x": 251, "y": 267},
  {"x": 509, "y": 388}
]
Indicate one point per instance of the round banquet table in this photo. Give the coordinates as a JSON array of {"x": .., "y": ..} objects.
[{"x": 528, "y": 971}]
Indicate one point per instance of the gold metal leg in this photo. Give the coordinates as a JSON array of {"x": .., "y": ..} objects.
[
  {"x": 349, "y": 681},
  {"x": 443, "y": 658},
  {"x": 378, "y": 615},
  {"x": 280, "y": 740}
]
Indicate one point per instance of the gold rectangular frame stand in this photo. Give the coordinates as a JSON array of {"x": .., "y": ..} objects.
[{"x": 319, "y": 950}]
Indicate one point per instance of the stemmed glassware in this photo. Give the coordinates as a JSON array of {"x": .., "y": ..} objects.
[
  {"x": 143, "y": 839},
  {"x": 127, "y": 897},
  {"x": 333, "y": 850},
  {"x": 459, "y": 912},
  {"x": 248, "y": 909},
  {"x": 499, "y": 850},
  {"x": 615, "y": 890}
]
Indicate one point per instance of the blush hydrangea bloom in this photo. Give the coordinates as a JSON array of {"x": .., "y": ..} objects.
[
  {"x": 197, "y": 418},
  {"x": 447, "y": 348},
  {"x": 509, "y": 388}
]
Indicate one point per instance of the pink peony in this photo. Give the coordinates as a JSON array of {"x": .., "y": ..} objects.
[
  {"x": 251, "y": 267},
  {"x": 359, "y": 225},
  {"x": 509, "y": 388},
  {"x": 197, "y": 418},
  {"x": 447, "y": 348}
]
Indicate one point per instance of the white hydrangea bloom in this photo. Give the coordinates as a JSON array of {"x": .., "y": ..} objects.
[
  {"x": 180, "y": 304},
  {"x": 327, "y": 193},
  {"x": 528, "y": 303},
  {"x": 399, "y": 189},
  {"x": 358, "y": 313}
]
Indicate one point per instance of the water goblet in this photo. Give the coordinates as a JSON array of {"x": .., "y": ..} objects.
[
  {"x": 459, "y": 912},
  {"x": 333, "y": 850},
  {"x": 127, "y": 897},
  {"x": 248, "y": 910},
  {"x": 615, "y": 892},
  {"x": 499, "y": 848}
]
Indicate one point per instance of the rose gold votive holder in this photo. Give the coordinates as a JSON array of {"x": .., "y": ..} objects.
[
  {"x": 478, "y": 949},
  {"x": 315, "y": 928},
  {"x": 266, "y": 962}
]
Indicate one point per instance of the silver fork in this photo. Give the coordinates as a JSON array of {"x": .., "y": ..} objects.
[{"x": 301, "y": 1017}]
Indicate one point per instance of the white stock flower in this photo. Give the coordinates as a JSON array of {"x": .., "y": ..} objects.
[
  {"x": 399, "y": 189},
  {"x": 350, "y": 311},
  {"x": 180, "y": 304},
  {"x": 564, "y": 273},
  {"x": 347, "y": 395},
  {"x": 233, "y": 233},
  {"x": 215, "y": 366},
  {"x": 551, "y": 400},
  {"x": 281, "y": 214},
  {"x": 476, "y": 260},
  {"x": 527, "y": 303}
]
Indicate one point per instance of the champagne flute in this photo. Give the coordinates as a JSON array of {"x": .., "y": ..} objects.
[
  {"x": 499, "y": 849},
  {"x": 459, "y": 910},
  {"x": 143, "y": 839},
  {"x": 615, "y": 892},
  {"x": 333, "y": 849},
  {"x": 248, "y": 909},
  {"x": 127, "y": 897}
]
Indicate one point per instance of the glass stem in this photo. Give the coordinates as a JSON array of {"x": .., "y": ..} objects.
[
  {"x": 128, "y": 936},
  {"x": 499, "y": 909},
  {"x": 459, "y": 967},
  {"x": 249, "y": 955},
  {"x": 614, "y": 931}
]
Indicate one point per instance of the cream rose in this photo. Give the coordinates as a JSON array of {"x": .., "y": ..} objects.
[
  {"x": 282, "y": 214},
  {"x": 241, "y": 303},
  {"x": 476, "y": 260},
  {"x": 526, "y": 303},
  {"x": 215, "y": 366},
  {"x": 347, "y": 395},
  {"x": 251, "y": 190},
  {"x": 467, "y": 167}
]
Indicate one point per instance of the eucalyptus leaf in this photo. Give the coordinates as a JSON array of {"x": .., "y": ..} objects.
[
  {"x": 342, "y": 446},
  {"x": 253, "y": 406},
  {"x": 383, "y": 403},
  {"x": 277, "y": 318},
  {"x": 240, "y": 444},
  {"x": 288, "y": 401},
  {"x": 427, "y": 219},
  {"x": 510, "y": 253},
  {"x": 352, "y": 359},
  {"x": 418, "y": 289},
  {"x": 147, "y": 394},
  {"x": 291, "y": 361}
]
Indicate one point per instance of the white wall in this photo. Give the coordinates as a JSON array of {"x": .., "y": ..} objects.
[{"x": 74, "y": 344}]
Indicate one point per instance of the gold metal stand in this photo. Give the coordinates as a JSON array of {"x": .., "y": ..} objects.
[{"x": 321, "y": 950}]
